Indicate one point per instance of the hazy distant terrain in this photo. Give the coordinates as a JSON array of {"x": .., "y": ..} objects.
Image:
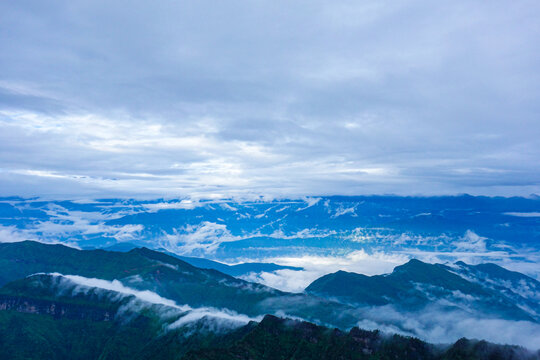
[
  {"x": 370, "y": 235},
  {"x": 439, "y": 268}
]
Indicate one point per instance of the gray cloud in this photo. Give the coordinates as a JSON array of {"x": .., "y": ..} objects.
[{"x": 266, "y": 97}]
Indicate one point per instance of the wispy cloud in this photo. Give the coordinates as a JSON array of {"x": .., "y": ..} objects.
[
  {"x": 118, "y": 287},
  {"x": 188, "y": 314},
  {"x": 202, "y": 238},
  {"x": 9, "y": 234},
  {"x": 524, "y": 214},
  {"x": 185, "y": 204},
  {"x": 438, "y": 325},
  {"x": 62, "y": 224},
  {"x": 385, "y": 251},
  {"x": 317, "y": 266},
  {"x": 13, "y": 234}
]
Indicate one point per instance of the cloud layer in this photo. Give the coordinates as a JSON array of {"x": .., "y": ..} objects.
[
  {"x": 443, "y": 326},
  {"x": 306, "y": 98},
  {"x": 189, "y": 314},
  {"x": 317, "y": 266}
]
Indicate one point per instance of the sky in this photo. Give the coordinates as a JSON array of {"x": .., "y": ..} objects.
[{"x": 279, "y": 98}]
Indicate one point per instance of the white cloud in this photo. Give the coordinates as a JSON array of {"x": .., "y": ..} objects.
[
  {"x": 223, "y": 316},
  {"x": 185, "y": 204},
  {"x": 388, "y": 250},
  {"x": 12, "y": 234},
  {"x": 310, "y": 201},
  {"x": 523, "y": 214},
  {"x": 117, "y": 286},
  {"x": 64, "y": 223},
  {"x": 9, "y": 234},
  {"x": 344, "y": 211},
  {"x": 190, "y": 314},
  {"x": 203, "y": 238},
  {"x": 228, "y": 207},
  {"x": 471, "y": 242},
  {"x": 300, "y": 234},
  {"x": 285, "y": 279},
  {"x": 316, "y": 266},
  {"x": 438, "y": 325}
]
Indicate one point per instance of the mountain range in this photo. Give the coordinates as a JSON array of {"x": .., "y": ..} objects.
[
  {"x": 236, "y": 270},
  {"x": 237, "y": 231},
  {"x": 485, "y": 289},
  {"x": 59, "y": 302}
]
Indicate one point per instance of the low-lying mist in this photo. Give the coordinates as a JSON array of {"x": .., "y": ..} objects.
[
  {"x": 183, "y": 314},
  {"x": 439, "y": 325}
]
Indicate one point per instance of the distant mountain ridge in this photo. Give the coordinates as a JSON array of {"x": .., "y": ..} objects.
[
  {"x": 202, "y": 263},
  {"x": 485, "y": 289},
  {"x": 238, "y": 269},
  {"x": 282, "y": 228}
]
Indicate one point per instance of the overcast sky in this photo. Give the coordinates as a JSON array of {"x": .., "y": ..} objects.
[{"x": 221, "y": 98}]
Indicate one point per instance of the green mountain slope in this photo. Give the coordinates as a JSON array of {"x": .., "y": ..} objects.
[
  {"x": 277, "y": 339},
  {"x": 48, "y": 317},
  {"x": 55, "y": 319},
  {"x": 21, "y": 259},
  {"x": 415, "y": 285},
  {"x": 169, "y": 277},
  {"x": 202, "y": 263}
]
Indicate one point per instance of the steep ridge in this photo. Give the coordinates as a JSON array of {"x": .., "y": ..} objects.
[
  {"x": 202, "y": 263},
  {"x": 488, "y": 289},
  {"x": 523, "y": 290},
  {"x": 275, "y": 338},
  {"x": 51, "y": 317},
  {"x": 21, "y": 259},
  {"x": 139, "y": 309},
  {"x": 235, "y": 270},
  {"x": 58, "y": 328},
  {"x": 172, "y": 278}
]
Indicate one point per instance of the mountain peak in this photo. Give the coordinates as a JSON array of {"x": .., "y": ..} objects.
[{"x": 413, "y": 264}]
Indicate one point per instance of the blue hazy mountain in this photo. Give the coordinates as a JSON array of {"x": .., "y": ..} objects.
[
  {"x": 233, "y": 270},
  {"x": 237, "y": 269},
  {"x": 244, "y": 231}
]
